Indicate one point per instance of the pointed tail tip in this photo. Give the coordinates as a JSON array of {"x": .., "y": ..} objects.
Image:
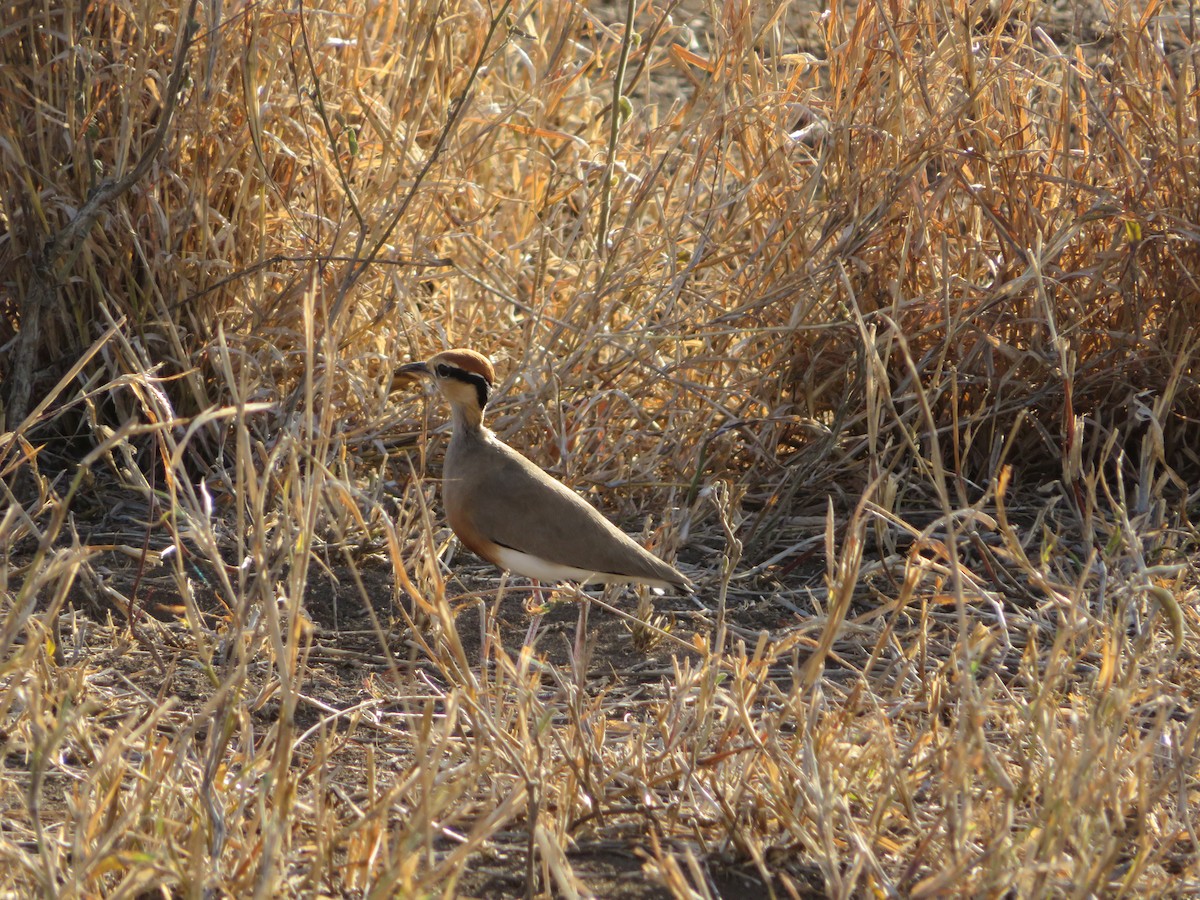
[
  {"x": 685, "y": 584},
  {"x": 675, "y": 582}
]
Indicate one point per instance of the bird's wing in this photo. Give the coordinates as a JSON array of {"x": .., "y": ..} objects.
[{"x": 555, "y": 523}]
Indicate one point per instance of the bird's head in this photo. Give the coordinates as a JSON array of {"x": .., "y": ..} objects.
[{"x": 464, "y": 377}]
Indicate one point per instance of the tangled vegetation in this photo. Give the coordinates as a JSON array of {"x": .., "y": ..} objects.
[{"x": 880, "y": 321}]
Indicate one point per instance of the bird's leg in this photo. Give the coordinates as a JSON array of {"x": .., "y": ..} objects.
[
  {"x": 489, "y": 614},
  {"x": 485, "y": 639},
  {"x": 538, "y": 603},
  {"x": 581, "y": 651}
]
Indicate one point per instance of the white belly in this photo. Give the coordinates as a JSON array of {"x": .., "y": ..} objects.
[{"x": 551, "y": 573}]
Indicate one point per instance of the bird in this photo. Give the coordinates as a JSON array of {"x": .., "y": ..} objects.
[{"x": 507, "y": 510}]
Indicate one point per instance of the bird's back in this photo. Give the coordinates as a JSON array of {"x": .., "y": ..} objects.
[{"x": 494, "y": 495}]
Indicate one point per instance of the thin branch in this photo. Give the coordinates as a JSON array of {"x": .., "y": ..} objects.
[{"x": 62, "y": 250}]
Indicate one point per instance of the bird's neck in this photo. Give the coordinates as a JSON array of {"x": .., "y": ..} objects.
[{"x": 466, "y": 420}]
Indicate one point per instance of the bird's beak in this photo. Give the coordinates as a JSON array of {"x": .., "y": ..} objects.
[{"x": 407, "y": 374}]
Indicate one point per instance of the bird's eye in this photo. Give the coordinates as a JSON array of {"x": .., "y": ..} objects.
[{"x": 443, "y": 370}]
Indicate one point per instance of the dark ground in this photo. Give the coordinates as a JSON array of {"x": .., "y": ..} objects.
[{"x": 347, "y": 648}]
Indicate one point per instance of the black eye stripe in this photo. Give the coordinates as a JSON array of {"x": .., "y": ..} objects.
[{"x": 482, "y": 388}]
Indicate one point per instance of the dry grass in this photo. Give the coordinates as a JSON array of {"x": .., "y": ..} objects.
[{"x": 882, "y": 323}]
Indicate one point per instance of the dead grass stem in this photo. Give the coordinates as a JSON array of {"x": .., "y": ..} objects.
[{"x": 881, "y": 320}]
